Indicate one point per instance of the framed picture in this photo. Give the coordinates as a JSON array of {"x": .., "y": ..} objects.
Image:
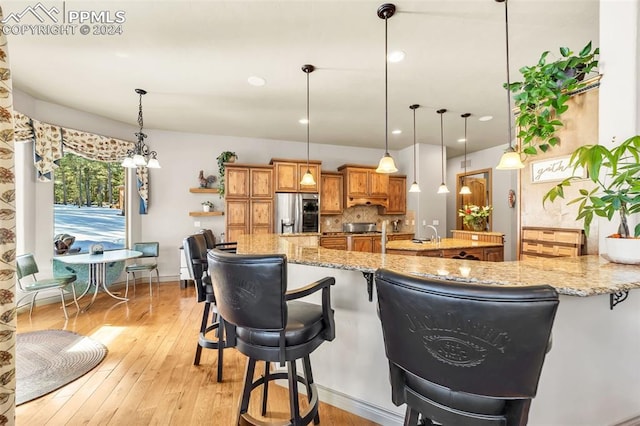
[{"x": 554, "y": 169}]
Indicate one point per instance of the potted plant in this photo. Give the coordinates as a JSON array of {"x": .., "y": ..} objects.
[
  {"x": 224, "y": 157},
  {"x": 475, "y": 217},
  {"x": 615, "y": 173},
  {"x": 207, "y": 206},
  {"x": 541, "y": 98}
]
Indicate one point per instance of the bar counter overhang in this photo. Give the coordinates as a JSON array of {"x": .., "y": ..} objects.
[{"x": 590, "y": 376}]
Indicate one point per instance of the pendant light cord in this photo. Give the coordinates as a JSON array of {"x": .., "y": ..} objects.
[
  {"x": 308, "y": 122},
  {"x": 386, "y": 96},
  {"x": 464, "y": 181},
  {"x": 414, "y": 145},
  {"x": 442, "y": 145},
  {"x": 506, "y": 26}
]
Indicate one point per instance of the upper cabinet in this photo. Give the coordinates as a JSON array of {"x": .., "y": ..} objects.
[
  {"x": 363, "y": 186},
  {"x": 288, "y": 174},
  {"x": 397, "y": 195},
  {"x": 331, "y": 193}
]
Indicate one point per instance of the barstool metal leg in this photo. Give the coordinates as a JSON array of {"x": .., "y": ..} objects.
[
  {"x": 265, "y": 388},
  {"x": 203, "y": 327},
  {"x": 246, "y": 390},
  {"x": 293, "y": 394},
  {"x": 308, "y": 375}
]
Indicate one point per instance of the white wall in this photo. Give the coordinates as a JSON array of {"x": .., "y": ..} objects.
[{"x": 504, "y": 217}]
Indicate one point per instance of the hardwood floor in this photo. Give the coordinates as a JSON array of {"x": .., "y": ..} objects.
[{"x": 148, "y": 376}]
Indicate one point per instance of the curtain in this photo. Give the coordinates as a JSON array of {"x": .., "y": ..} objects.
[
  {"x": 7, "y": 241},
  {"x": 50, "y": 142}
]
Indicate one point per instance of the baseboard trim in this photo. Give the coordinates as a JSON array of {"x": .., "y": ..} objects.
[
  {"x": 635, "y": 421},
  {"x": 361, "y": 408}
]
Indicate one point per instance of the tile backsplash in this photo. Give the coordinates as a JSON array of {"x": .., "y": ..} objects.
[{"x": 367, "y": 214}]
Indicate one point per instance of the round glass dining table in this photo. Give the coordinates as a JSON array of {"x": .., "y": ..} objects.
[{"x": 98, "y": 270}]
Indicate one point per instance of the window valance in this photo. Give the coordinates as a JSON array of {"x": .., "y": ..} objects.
[{"x": 50, "y": 142}]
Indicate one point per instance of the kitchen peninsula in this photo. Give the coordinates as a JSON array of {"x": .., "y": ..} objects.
[{"x": 589, "y": 377}]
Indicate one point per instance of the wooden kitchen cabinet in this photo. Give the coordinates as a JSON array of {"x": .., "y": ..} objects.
[
  {"x": 333, "y": 242},
  {"x": 288, "y": 174},
  {"x": 331, "y": 193},
  {"x": 397, "y": 196},
  {"x": 249, "y": 200},
  {"x": 473, "y": 253},
  {"x": 494, "y": 254},
  {"x": 360, "y": 243},
  {"x": 363, "y": 186}
]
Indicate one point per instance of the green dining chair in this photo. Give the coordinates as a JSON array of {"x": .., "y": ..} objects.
[
  {"x": 149, "y": 250},
  {"x": 26, "y": 266}
]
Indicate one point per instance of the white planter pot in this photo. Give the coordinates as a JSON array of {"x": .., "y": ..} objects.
[
  {"x": 206, "y": 208},
  {"x": 622, "y": 250}
]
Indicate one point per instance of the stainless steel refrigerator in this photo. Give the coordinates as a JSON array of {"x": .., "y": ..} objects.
[{"x": 296, "y": 213}]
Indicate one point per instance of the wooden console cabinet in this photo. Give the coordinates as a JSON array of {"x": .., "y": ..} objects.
[{"x": 551, "y": 242}]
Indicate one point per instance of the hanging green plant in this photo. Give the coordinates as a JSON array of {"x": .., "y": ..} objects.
[
  {"x": 542, "y": 97},
  {"x": 224, "y": 157}
]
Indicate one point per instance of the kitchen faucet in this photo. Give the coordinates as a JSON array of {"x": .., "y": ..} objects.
[{"x": 434, "y": 230}]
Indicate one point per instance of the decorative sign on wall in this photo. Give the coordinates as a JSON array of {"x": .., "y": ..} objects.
[{"x": 554, "y": 169}]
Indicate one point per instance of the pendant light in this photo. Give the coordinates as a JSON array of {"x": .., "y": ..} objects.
[
  {"x": 510, "y": 160},
  {"x": 386, "y": 165},
  {"x": 307, "y": 179},
  {"x": 140, "y": 155},
  {"x": 465, "y": 190},
  {"x": 443, "y": 187},
  {"x": 414, "y": 186}
]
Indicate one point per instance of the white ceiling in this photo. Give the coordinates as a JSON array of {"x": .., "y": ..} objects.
[{"x": 194, "y": 58}]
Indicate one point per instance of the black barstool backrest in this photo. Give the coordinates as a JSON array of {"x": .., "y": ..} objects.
[
  {"x": 479, "y": 339},
  {"x": 250, "y": 289},
  {"x": 195, "y": 251},
  {"x": 209, "y": 238}
]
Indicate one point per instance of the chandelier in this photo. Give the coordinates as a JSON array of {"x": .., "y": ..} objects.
[{"x": 140, "y": 155}]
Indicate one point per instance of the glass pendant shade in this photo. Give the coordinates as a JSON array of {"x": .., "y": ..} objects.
[
  {"x": 510, "y": 160},
  {"x": 414, "y": 187},
  {"x": 465, "y": 190},
  {"x": 307, "y": 179},
  {"x": 442, "y": 189},
  {"x": 386, "y": 165},
  {"x": 128, "y": 163},
  {"x": 153, "y": 164}
]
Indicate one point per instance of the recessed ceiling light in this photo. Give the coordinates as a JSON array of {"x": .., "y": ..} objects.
[
  {"x": 396, "y": 56},
  {"x": 396, "y": 131},
  {"x": 303, "y": 121},
  {"x": 256, "y": 81},
  {"x": 462, "y": 140},
  {"x": 486, "y": 118}
]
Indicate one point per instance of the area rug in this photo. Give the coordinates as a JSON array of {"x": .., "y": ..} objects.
[{"x": 49, "y": 359}]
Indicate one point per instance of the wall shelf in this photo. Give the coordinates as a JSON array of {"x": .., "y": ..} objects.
[
  {"x": 204, "y": 190},
  {"x": 206, "y": 213}
]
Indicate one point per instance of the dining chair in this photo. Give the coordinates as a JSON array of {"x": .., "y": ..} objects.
[
  {"x": 149, "y": 250},
  {"x": 26, "y": 266}
]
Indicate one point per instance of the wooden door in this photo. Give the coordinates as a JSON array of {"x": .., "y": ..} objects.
[
  {"x": 286, "y": 177},
  {"x": 331, "y": 194},
  {"x": 237, "y": 218},
  {"x": 494, "y": 254},
  {"x": 315, "y": 172},
  {"x": 376, "y": 245},
  {"x": 378, "y": 184},
  {"x": 236, "y": 182},
  {"x": 261, "y": 183}
]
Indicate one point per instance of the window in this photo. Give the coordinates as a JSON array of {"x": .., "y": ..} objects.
[{"x": 88, "y": 204}]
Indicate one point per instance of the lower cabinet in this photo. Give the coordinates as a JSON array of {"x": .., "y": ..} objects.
[
  {"x": 336, "y": 243},
  {"x": 360, "y": 243}
]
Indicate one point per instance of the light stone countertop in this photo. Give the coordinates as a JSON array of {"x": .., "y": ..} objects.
[
  {"x": 444, "y": 244},
  {"x": 582, "y": 276}
]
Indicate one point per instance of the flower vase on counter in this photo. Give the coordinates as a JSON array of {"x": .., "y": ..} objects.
[
  {"x": 478, "y": 225},
  {"x": 475, "y": 217}
]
